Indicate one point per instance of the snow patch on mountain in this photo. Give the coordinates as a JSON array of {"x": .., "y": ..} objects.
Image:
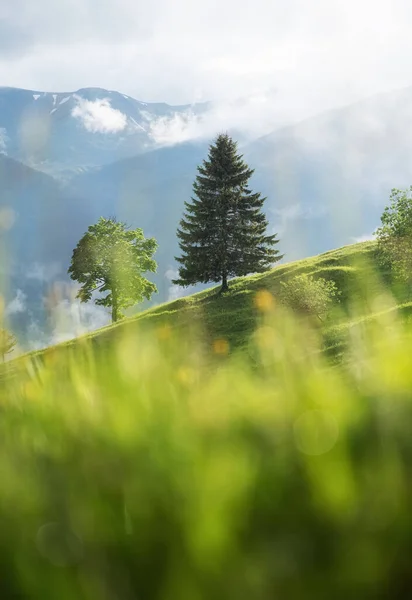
[
  {"x": 137, "y": 125},
  {"x": 64, "y": 100},
  {"x": 98, "y": 116},
  {"x": 36, "y": 96}
]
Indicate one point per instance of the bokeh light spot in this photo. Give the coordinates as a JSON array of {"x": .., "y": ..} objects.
[
  {"x": 316, "y": 432},
  {"x": 264, "y": 301},
  {"x": 59, "y": 545},
  {"x": 7, "y": 218},
  {"x": 164, "y": 332},
  {"x": 221, "y": 347}
]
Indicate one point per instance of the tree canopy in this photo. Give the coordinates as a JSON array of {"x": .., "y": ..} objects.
[
  {"x": 111, "y": 258},
  {"x": 223, "y": 232},
  {"x": 307, "y": 295},
  {"x": 395, "y": 234}
]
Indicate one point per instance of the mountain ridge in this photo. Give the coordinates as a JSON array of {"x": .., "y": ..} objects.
[{"x": 61, "y": 133}]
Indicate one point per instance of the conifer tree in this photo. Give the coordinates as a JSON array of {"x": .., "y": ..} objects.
[{"x": 223, "y": 232}]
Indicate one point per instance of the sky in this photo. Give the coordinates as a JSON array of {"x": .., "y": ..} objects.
[{"x": 303, "y": 56}]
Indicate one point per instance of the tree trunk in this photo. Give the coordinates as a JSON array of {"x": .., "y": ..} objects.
[
  {"x": 225, "y": 285},
  {"x": 114, "y": 305}
]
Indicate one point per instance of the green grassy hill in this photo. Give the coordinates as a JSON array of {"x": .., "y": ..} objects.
[
  {"x": 140, "y": 462},
  {"x": 233, "y": 316}
]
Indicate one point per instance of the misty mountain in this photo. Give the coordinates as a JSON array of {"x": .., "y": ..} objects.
[
  {"x": 329, "y": 177},
  {"x": 65, "y": 133},
  {"x": 39, "y": 223}
]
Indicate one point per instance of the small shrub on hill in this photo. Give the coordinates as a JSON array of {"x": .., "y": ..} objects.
[{"x": 307, "y": 295}]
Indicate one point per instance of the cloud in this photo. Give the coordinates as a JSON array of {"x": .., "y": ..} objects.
[
  {"x": 73, "y": 318},
  {"x": 250, "y": 117},
  {"x": 180, "y": 127},
  {"x": 298, "y": 211},
  {"x": 315, "y": 54},
  {"x": 43, "y": 272},
  {"x": 69, "y": 319},
  {"x": 17, "y": 305},
  {"x": 24, "y": 27},
  {"x": 175, "y": 291},
  {"x": 99, "y": 116},
  {"x": 14, "y": 40},
  {"x": 367, "y": 237}
]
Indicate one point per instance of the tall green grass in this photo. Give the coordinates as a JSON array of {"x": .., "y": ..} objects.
[{"x": 166, "y": 465}]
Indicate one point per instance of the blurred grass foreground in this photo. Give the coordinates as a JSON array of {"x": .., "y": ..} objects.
[{"x": 161, "y": 467}]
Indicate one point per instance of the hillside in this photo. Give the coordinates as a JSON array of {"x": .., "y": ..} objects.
[
  {"x": 234, "y": 317},
  {"x": 141, "y": 464}
]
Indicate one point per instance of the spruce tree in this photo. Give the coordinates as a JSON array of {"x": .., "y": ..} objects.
[{"x": 223, "y": 232}]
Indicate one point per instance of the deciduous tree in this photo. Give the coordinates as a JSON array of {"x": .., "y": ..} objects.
[
  {"x": 111, "y": 259},
  {"x": 394, "y": 237}
]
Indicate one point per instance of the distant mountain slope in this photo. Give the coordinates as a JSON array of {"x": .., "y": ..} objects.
[
  {"x": 63, "y": 133},
  {"x": 39, "y": 208},
  {"x": 329, "y": 177},
  {"x": 39, "y": 225}
]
